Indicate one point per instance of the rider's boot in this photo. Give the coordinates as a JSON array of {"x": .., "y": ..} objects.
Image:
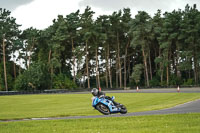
[{"x": 117, "y": 104}]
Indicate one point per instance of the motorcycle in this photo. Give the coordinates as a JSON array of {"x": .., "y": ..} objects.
[{"x": 106, "y": 106}]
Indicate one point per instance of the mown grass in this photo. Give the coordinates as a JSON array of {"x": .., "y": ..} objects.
[
  {"x": 32, "y": 106},
  {"x": 175, "y": 123}
]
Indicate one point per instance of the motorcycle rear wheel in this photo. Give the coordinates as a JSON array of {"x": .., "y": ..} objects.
[{"x": 103, "y": 109}]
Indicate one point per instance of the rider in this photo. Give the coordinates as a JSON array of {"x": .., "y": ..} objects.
[{"x": 95, "y": 92}]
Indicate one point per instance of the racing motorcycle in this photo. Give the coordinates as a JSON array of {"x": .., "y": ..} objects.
[{"x": 106, "y": 106}]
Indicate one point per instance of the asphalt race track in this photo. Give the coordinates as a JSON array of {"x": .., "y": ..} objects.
[{"x": 189, "y": 107}]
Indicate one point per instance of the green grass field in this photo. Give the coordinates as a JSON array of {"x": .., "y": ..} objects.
[
  {"x": 58, "y": 105},
  {"x": 176, "y": 123}
]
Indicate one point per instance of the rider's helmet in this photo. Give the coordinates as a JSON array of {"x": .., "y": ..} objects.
[{"x": 94, "y": 91}]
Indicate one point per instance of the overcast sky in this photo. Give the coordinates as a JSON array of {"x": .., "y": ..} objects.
[{"x": 40, "y": 13}]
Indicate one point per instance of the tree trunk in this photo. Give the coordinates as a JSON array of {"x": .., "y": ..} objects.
[
  {"x": 109, "y": 66},
  {"x": 14, "y": 69},
  {"x": 73, "y": 68},
  {"x": 49, "y": 57},
  {"x": 129, "y": 69},
  {"x": 26, "y": 60},
  {"x": 84, "y": 80},
  {"x": 31, "y": 49},
  {"x": 97, "y": 69},
  {"x": 117, "y": 71},
  {"x": 110, "y": 72},
  {"x": 4, "y": 64},
  {"x": 195, "y": 68},
  {"x": 29, "y": 59},
  {"x": 145, "y": 65},
  {"x": 162, "y": 72},
  {"x": 168, "y": 66},
  {"x": 167, "y": 75},
  {"x": 51, "y": 67},
  {"x": 150, "y": 67},
  {"x": 125, "y": 73},
  {"x": 51, "y": 77},
  {"x": 87, "y": 69},
  {"x": 107, "y": 75},
  {"x": 178, "y": 74},
  {"x": 156, "y": 65},
  {"x": 145, "y": 77},
  {"x": 80, "y": 76},
  {"x": 119, "y": 62},
  {"x": 161, "y": 67},
  {"x": 97, "y": 84}
]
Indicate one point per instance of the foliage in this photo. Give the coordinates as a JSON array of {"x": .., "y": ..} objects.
[
  {"x": 35, "y": 78},
  {"x": 10, "y": 78},
  {"x": 188, "y": 82},
  {"x": 174, "y": 80},
  {"x": 9, "y": 34},
  {"x": 107, "y": 50},
  {"x": 61, "y": 81},
  {"x": 136, "y": 75},
  {"x": 154, "y": 82},
  {"x": 1, "y": 82}
]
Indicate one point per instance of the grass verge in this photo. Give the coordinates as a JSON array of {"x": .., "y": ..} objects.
[
  {"x": 173, "y": 123},
  {"x": 34, "y": 106}
]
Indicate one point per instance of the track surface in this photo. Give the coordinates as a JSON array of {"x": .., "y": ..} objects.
[
  {"x": 189, "y": 107},
  {"x": 159, "y": 90}
]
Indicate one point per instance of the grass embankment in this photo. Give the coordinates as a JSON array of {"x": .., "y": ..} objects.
[
  {"x": 32, "y": 106},
  {"x": 176, "y": 123}
]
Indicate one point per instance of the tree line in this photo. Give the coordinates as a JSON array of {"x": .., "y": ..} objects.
[{"x": 111, "y": 51}]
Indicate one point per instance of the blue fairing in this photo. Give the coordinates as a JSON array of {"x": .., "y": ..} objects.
[{"x": 108, "y": 103}]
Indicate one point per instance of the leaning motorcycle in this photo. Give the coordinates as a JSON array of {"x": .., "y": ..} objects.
[{"x": 106, "y": 106}]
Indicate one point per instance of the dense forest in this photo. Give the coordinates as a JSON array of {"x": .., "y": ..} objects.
[{"x": 111, "y": 51}]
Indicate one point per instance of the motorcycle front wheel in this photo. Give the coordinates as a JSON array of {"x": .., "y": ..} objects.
[
  {"x": 123, "y": 110},
  {"x": 103, "y": 109}
]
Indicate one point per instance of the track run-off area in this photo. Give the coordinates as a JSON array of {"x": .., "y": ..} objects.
[{"x": 189, "y": 107}]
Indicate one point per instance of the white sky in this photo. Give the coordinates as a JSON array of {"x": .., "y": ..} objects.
[{"x": 40, "y": 13}]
